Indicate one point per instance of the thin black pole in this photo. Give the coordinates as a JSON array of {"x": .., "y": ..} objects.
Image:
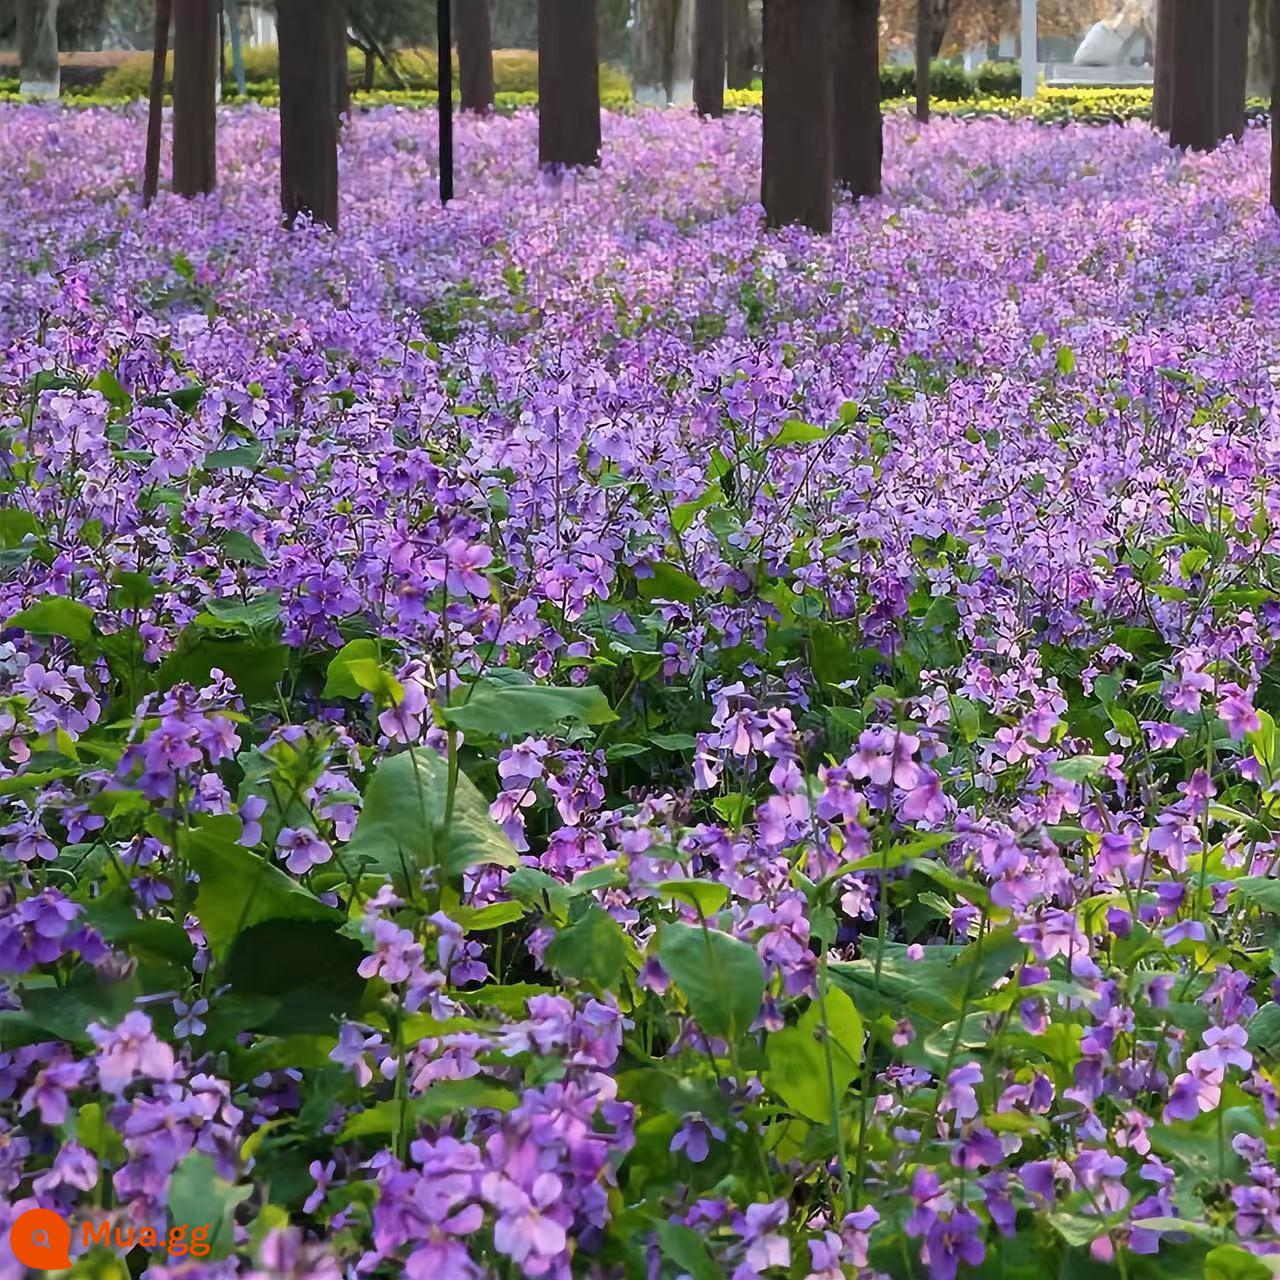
[{"x": 444, "y": 82}]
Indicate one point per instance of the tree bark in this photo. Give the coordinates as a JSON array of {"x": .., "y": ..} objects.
[
  {"x": 709, "y": 58},
  {"x": 475, "y": 55},
  {"x": 341, "y": 76},
  {"x": 568, "y": 83},
  {"x": 308, "y": 119},
  {"x": 680, "y": 85},
  {"x": 857, "y": 127},
  {"x": 651, "y": 51},
  {"x": 1275, "y": 104},
  {"x": 195, "y": 88},
  {"x": 741, "y": 55},
  {"x": 797, "y": 168},
  {"x": 39, "y": 74},
  {"x": 1162, "y": 90},
  {"x": 1209, "y": 64},
  {"x": 924, "y": 54},
  {"x": 155, "y": 107},
  {"x": 444, "y": 102}
]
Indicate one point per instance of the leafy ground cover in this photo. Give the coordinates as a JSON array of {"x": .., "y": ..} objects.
[{"x": 575, "y": 736}]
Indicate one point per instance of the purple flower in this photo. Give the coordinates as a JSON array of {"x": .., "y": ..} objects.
[{"x": 694, "y": 1137}]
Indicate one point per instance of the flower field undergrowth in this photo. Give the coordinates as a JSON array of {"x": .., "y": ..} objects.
[{"x": 572, "y": 735}]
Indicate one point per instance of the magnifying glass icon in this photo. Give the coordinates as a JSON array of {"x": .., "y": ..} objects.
[{"x": 41, "y": 1240}]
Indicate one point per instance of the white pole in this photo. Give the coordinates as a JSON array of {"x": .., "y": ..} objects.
[{"x": 1030, "y": 68}]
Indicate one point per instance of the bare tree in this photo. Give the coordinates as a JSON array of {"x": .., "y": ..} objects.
[
  {"x": 39, "y": 74},
  {"x": 308, "y": 114},
  {"x": 797, "y": 167},
  {"x": 475, "y": 55},
  {"x": 709, "y": 57},
  {"x": 568, "y": 83},
  {"x": 924, "y": 53},
  {"x": 195, "y": 81},
  {"x": 1162, "y": 90},
  {"x": 857, "y": 127},
  {"x": 1210, "y": 51}
]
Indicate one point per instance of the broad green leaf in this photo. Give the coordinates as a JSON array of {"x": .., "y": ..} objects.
[
  {"x": 1264, "y": 1030},
  {"x": 235, "y": 615},
  {"x": 239, "y": 889},
  {"x": 687, "y": 1249},
  {"x": 243, "y": 455},
  {"x": 674, "y": 741},
  {"x": 516, "y": 711},
  {"x": 56, "y": 616},
  {"x": 240, "y": 548},
  {"x": 796, "y": 432},
  {"x": 1231, "y": 1262},
  {"x": 447, "y": 1098},
  {"x": 109, "y": 385},
  {"x": 339, "y": 680},
  {"x": 402, "y": 824},
  {"x": 1078, "y": 768},
  {"x": 798, "y": 1056},
  {"x": 1259, "y": 891},
  {"x": 199, "y": 1199},
  {"x": 721, "y": 976},
  {"x": 669, "y": 583},
  {"x": 256, "y": 664},
  {"x": 705, "y": 896},
  {"x": 1066, "y": 360},
  {"x": 593, "y": 950}
]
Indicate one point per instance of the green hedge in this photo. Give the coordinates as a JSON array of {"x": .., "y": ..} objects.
[{"x": 950, "y": 81}]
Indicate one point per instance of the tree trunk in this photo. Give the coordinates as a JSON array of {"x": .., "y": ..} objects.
[
  {"x": 195, "y": 89},
  {"x": 475, "y": 56},
  {"x": 741, "y": 56},
  {"x": 444, "y": 102},
  {"x": 308, "y": 119},
  {"x": 1233, "y": 66},
  {"x": 155, "y": 108},
  {"x": 857, "y": 127},
  {"x": 341, "y": 76},
  {"x": 1162, "y": 90},
  {"x": 370, "y": 70},
  {"x": 709, "y": 58},
  {"x": 568, "y": 83},
  {"x": 924, "y": 54},
  {"x": 680, "y": 86},
  {"x": 232, "y": 8},
  {"x": 797, "y": 169},
  {"x": 1275, "y": 105},
  {"x": 39, "y": 75},
  {"x": 1209, "y": 61},
  {"x": 651, "y": 51},
  {"x": 1258, "y": 83}
]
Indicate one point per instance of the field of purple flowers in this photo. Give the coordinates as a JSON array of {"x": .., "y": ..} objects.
[{"x": 573, "y": 736}]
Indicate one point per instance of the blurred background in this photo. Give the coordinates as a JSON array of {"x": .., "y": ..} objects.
[{"x": 646, "y": 45}]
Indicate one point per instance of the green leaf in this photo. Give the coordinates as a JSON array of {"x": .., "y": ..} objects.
[
  {"x": 674, "y": 741},
  {"x": 240, "y": 548},
  {"x": 593, "y": 950},
  {"x": 797, "y": 1056},
  {"x": 1077, "y": 1229},
  {"x": 1078, "y": 768},
  {"x": 1066, "y": 360},
  {"x": 1264, "y": 1030},
  {"x": 306, "y": 966},
  {"x": 255, "y": 664},
  {"x": 440, "y": 1101},
  {"x": 238, "y": 889},
  {"x": 199, "y": 1199},
  {"x": 705, "y": 896},
  {"x": 687, "y": 1249},
  {"x": 1230, "y": 1262},
  {"x": 244, "y": 455},
  {"x": 1259, "y": 891},
  {"x": 669, "y": 583},
  {"x": 235, "y": 615},
  {"x": 796, "y": 432},
  {"x": 339, "y": 680},
  {"x": 401, "y": 826},
  {"x": 721, "y": 977},
  {"x": 516, "y": 711},
  {"x": 56, "y": 616},
  {"x": 109, "y": 385}
]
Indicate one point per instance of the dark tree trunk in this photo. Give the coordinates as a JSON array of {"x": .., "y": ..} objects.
[
  {"x": 155, "y": 109},
  {"x": 308, "y": 119},
  {"x": 653, "y": 35},
  {"x": 1233, "y": 63},
  {"x": 797, "y": 168},
  {"x": 1209, "y": 59},
  {"x": 1275, "y": 104},
  {"x": 195, "y": 79},
  {"x": 370, "y": 70},
  {"x": 709, "y": 57},
  {"x": 38, "y": 47},
  {"x": 444, "y": 88},
  {"x": 568, "y": 83},
  {"x": 856, "y": 123},
  {"x": 341, "y": 77},
  {"x": 1162, "y": 91},
  {"x": 924, "y": 54},
  {"x": 741, "y": 56},
  {"x": 475, "y": 56}
]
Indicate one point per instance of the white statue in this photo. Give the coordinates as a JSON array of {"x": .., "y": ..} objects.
[{"x": 1118, "y": 41}]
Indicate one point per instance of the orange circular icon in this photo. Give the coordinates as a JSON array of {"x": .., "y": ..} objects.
[{"x": 41, "y": 1239}]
